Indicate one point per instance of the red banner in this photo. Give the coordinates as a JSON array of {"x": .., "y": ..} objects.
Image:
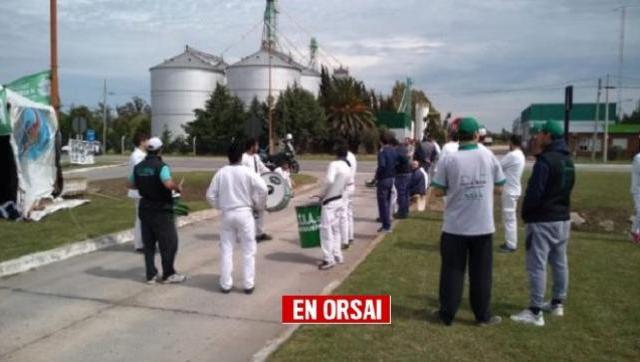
[{"x": 336, "y": 309}]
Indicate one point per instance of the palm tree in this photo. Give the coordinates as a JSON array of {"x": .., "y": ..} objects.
[{"x": 348, "y": 111}]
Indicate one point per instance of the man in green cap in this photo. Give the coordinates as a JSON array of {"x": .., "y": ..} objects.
[
  {"x": 545, "y": 211},
  {"x": 469, "y": 178}
]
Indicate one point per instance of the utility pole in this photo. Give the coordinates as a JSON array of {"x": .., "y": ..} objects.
[
  {"x": 623, "y": 14},
  {"x": 596, "y": 122},
  {"x": 104, "y": 118},
  {"x": 55, "y": 95},
  {"x": 605, "y": 143}
]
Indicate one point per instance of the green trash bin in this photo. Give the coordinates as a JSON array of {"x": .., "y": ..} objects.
[{"x": 309, "y": 224}]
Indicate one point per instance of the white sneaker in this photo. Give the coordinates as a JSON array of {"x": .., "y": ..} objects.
[
  {"x": 555, "y": 309},
  {"x": 175, "y": 279},
  {"x": 527, "y": 317}
]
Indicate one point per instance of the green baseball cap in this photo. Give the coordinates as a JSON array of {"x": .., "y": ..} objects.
[
  {"x": 553, "y": 128},
  {"x": 468, "y": 125}
]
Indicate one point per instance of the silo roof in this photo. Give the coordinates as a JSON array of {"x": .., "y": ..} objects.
[
  {"x": 310, "y": 72},
  {"x": 194, "y": 59},
  {"x": 261, "y": 58}
]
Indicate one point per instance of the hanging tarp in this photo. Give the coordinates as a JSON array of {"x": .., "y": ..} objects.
[
  {"x": 36, "y": 87},
  {"x": 34, "y": 126},
  {"x": 5, "y": 124}
]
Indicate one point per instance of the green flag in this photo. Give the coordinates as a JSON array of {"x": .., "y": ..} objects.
[
  {"x": 36, "y": 87},
  {"x": 5, "y": 123}
]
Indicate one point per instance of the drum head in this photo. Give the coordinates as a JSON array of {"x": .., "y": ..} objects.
[{"x": 278, "y": 192}]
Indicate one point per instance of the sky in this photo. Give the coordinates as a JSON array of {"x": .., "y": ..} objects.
[{"x": 489, "y": 59}]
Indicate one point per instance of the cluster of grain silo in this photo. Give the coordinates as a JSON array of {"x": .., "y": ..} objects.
[{"x": 183, "y": 83}]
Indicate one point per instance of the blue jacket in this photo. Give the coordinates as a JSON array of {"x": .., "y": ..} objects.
[
  {"x": 387, "y": 159},
  {"x": 549, "y": 189}
]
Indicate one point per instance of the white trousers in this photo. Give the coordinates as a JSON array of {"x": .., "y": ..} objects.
[
  {"x": 330, "y": 231},
  {"x": 237, "y": 226},
  {"x": 393, "y": 204},
  {"x": 347, "y": 228},
  {"x": 636, "y": 220},
  {"x": 510, "y": 219},
  {"x": 137, "y": 229},
  {"x": 259, "y": 221}
]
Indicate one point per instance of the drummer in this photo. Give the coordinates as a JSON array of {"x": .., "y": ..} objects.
[
  {"x": 251, "y": 159},
  {"x": 284, "y": 170},
  {"x": 237, "y": 192},
  {"x": 333, "y": 208}
]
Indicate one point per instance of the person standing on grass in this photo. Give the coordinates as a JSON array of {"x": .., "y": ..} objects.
[
  {"x": 635, "y": 192},
  {"x": 140, "y": 142},
  {"x": 469, "y": 178},
  {"x": 237, "y": 192},
  {"x": 348, "y": 226},
  {"x": 333, "y": 208},
  {"x": 385, "y": 176},
  {"x": 403, "y": 177},
  {"x": 251, "y": 159},
  {"x": 152, "y": 179},
  {"x": 512, "y": 166},
  {"x": 546, "y": 213}
]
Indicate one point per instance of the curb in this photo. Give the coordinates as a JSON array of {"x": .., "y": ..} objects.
[
  {"x": 88, "y": 169},
  {"x": 36, "y": 260},
  {"x": 273, "y": 345}
]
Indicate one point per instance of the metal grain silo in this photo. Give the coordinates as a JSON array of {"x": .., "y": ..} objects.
[
  {"x": 249, "y": 77},
  {"x": 310, "y": 80},
  {"x": 180, "y": 85}
]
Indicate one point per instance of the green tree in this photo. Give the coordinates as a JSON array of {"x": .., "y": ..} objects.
[
  {"x": 348, "y": 112},
  {"x": 132, "y": 117},
  {"x": 221, "y": 121},
  {"x": 297, "y": 112}
]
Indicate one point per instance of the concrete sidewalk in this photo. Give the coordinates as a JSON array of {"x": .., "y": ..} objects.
[{"x": 97, "y": 308}]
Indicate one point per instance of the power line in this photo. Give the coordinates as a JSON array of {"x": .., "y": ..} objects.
[{"x": 242, "y": 38}]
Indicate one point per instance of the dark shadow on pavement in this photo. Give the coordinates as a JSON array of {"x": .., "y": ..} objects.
[
  {"x": 365, "y": 236},
  {"x": 206, "y": 282},
  {"x": 293, "y": 258},
  {"x": 135, "y": 274},
  {"x": 207, "y": 237}
]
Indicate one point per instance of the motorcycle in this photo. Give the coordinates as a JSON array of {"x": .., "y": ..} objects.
[{"x": 272, "y": 161}]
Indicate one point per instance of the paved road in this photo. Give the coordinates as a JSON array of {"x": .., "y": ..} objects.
[
  {"x": 96, "y": 307},
  {"x": 184, "y": 164}
]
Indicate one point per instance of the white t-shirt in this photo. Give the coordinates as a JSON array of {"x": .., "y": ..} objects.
[
  {"x": 449, "y": 147},
  {"x": 468, "y": 178},
  {"x": 512, "y": 167},
  {"x": 236, "y": 187},
  {"x": 336, "y": 180},
  {"x": 286, "y": 175},
  {"x": 353, "y": 165},
  {"x": 635, "y": 175},
  {"x": 136, "y": 157},
  {"x": 254, "y": 163}
]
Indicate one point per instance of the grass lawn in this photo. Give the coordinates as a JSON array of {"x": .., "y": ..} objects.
[
  {"x": 602, "y": 321},
  {"x": 109, "y": 211},
  {"x": 329, "y": 157}
]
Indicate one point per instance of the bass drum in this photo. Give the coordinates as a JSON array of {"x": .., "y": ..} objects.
[{"x": 278, "y": 191}]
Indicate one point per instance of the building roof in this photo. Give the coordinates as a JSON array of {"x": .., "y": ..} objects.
[
  {"x": 194, "y": 59},
  {"x": 625, "y": 128},
  {"x": 261, "y": 58},
  {"x": 555, "y": 112}
]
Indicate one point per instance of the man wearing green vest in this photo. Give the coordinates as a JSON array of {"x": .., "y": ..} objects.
[{"x": 152, "y": 179}]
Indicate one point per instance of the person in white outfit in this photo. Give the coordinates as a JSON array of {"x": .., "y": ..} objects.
[
  {"x": 237, "y": 192},
  {"x": 333, "y": 205},
  {"x": 348, "y": 231},
  {"x": 251, "y": 159},
  {"x": 512, "y": 166},
  {"x": 635, "y": 192},
  {"x": 140, "y": 141},
  {"x": 284, "y": 170}
]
